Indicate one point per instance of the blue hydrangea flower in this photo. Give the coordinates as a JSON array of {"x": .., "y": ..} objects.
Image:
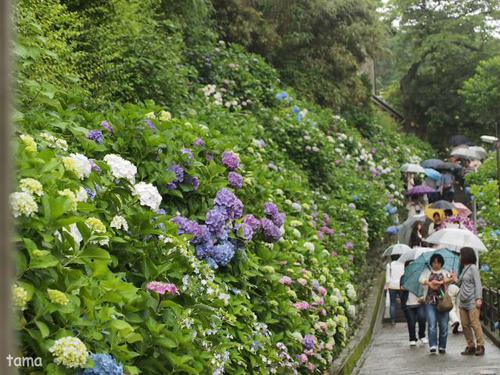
[
  {"x": 152, "y": 126},
  {"x": 92, "y": 194},
  {"x": 485, "y": 268},
  {"x": 104, "y": 364},
  {"x": 296, "y": 109},
  {"x": 282, "y": 95},
  {"x": 96, "y": 136},
  {"x": 187, "y": 152},
  {"x": 223, "y": 253}
]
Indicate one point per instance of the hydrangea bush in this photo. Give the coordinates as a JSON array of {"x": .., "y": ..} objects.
[
  {"x": 484, "y": 189},
  {"x": 225, "y": 235}
]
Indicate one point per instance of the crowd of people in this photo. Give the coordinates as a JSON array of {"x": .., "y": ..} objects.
[{"x": 447, "y": 301}]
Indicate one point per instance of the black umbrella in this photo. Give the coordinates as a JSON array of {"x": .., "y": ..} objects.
[
  {"x": 458, "y": 140},
  {"x": 446, "y": 166},
  {"x": 431, "y": 163},
  {"x": 441, "y": 205}
]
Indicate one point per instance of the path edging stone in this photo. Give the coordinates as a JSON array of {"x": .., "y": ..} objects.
[{"x": 351, "y": 354}]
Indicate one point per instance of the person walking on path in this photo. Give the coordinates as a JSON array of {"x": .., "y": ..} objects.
[
  {"x": 437, "y": 221},
  {"x": 471, "y": 299},
  {"x": 394, "y": 271},
  {"x": 435, "y": 281},
  {"x": 417, "y": 238},
  {"x": 415, "y": 313}
]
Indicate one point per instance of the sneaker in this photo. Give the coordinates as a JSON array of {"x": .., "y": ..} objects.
[
  {"x": 433, "y": 350},
  {"x": 424, "y": 340},
  {"x": 442, "y": 351},
  {"x": 413, "y": 343}
]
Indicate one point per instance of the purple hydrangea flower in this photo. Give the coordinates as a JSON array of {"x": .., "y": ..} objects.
[
  {"x": 235, "y": 180},
  {"x": 179, "y": 172},
  {"x": 94, "y": 166},
  {"x": 96, "y": 136},
  {"x": 151, "y": 125},
  {"x": 188, "y": 152},
  {"x": 209, "y": 157},
  {"x": 349, "y": 245},
  {"x": 271, "y": 232},
  {"x": 230, "y": 203},
  {"x": 195, "y": 181},
  {"x": 199, "y": 142},
  {"x": 106, "y": 125},
  {"x": 309, "y": 342},
  {"x": 230, "y": 160},
  {"x": 279, "y": 219},
  {"x": 282, "y": 95},
  {"x": 216, "y": 221},
  {"x": 270, "y": 209},
  {"x": 187, "y": 226},
  {"x": 252, "y": 221},
  {"x": 244, "y": 231}
]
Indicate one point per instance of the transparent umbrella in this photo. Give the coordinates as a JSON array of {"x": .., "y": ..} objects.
[
  {"x": 456, "y": 238},
  {"x": 396, "y": 249}
]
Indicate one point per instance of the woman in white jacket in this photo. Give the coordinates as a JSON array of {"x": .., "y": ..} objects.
[{"x": 394, "y": 271}]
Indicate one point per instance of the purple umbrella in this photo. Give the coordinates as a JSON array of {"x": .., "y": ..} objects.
[{"x": 420, "y": 190}]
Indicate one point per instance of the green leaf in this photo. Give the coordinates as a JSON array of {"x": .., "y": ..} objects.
[{"x": 44, "y": 329}]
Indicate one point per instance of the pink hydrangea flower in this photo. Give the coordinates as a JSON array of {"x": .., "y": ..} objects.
[
  {"x": 162, "y": 288},
  {"x": 302, "y": 305},
  {"x": 334, "y": 254},
  {"x": 285, "y": 280},
  {"x": 322, "y": 291},
  {"x": 303, "y": 358}
]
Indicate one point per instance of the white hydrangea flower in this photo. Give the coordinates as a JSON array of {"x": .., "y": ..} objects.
[
  {"x": 32, "y": 186},
  {"x": 82, "y": 195},
  {"x": 119, "y": 222},
  {"x": 309, "y": 246},
  {"x": 297, "y": 207},
  {"x": 351, "y": 311},
  {"x": 79, "y": 164},
  {"x": 148, "y": 195},
  {"x": 23, "y": 203},
  {"x": 164, "y": 116},
  {"x": 70, "y": 352},
  {"x": 121, "y": 168},
  {"x": 351, "y": 292},
  {"x": 29, "y": 143}
]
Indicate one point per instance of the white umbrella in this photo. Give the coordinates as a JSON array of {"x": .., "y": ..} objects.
[
  {"x": 412, "y": 168},
  {"x": 466, "y": 153},
  {"x": 457, "y": 238},
  {"x": 414, "y": 253},
  {"x": 480, "y": 151},
  {"x": 396, "y": 249}
]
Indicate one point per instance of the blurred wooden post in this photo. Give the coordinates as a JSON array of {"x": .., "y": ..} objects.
[{"x": 6, "y": 265}]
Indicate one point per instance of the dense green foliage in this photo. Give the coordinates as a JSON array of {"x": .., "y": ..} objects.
[
  {"x": 484, "y": 187},
  {"x": 482, "y": 92},
  {"x": 317, "y": 46},
  {"x": 435, "y": 48},
  {"x": 91, "y": 236}
]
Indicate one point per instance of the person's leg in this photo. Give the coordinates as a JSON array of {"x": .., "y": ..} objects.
[
  {"x": 443, "y": 318},
  {"x": 393, "y": 294},
  {"x": 421, "y": 321},
  {"x": 403, "y": 296},
  {"x": 431, "y": 314},
  {"x": 411, "y": 314},
  {"x": 467, "y": 328},
  {"x": 478, "y": 330}
]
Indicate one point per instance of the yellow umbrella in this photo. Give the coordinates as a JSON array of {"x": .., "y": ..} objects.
[{"x": 439, "y": 207}]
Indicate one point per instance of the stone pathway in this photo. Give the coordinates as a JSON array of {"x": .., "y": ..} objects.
[{"x": 390, "y": 354}]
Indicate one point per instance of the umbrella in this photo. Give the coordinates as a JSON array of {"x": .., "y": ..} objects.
[
  {"x": 412, "y": 168},
  {"x": 431, "y": 163},
  {"x": 396, "y": 249},
  {"x": 404, "y": 230},
  {"x": 412, "y": 273},
  {"x": 458, "y": 140},
  {"x": 432, "y": 173},
  {"x": 462, "y": 209},
  {"x": 448, "y": 167},
  {"x": 457, "y": 238},
  {"x": 439, "y": 207},
  {"x": 414, "y": 253},
  {"x": 480, "y": 151},
  {"x": 466, "y": 153},
  {"x": 420, "y": 190}
]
